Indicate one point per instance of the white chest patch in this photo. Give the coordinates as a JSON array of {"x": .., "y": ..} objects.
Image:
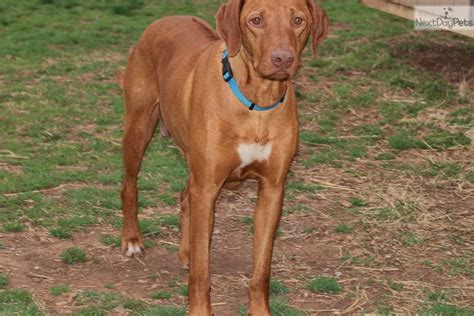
[{"x": 251, "y": 152}]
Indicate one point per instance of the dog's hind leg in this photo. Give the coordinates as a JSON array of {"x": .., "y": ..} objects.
[
  {"x": 141, "y": 118},
  {"x": 184, "y": 228}
]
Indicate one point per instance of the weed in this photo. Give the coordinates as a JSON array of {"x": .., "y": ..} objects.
[
  {"x": 18, "y": 302},
  {"x": 161, "y": 295},
  {"x": 127, "y": 7},
  {"x": 183, "y": 290},
  {"x": 410, "y": 239},
  {"x": 166, "y": 310},
  {"x": 73, "y": 255},
  {"x": 443, "y": 139},
  {"x": 138, "y": 307},
  {"x": 61, "y": 233},
  {"x": 4, "y": 280},
  {"x": 386, "y": 156},
  {"x": 171, "y": 220},
  {"x": 470, "y": 177},
  {"x": 59, "y": 289},
  {"x": 343, "y": 229},
  {"x": 110, "y": 240},
  {"x": 404, "y": 139},
  {"x": 460, "y": 265},
  {"x": 277, "y": 287},
  {"x": 395, "y": 285},
  {"x": 446, "y": 310},
  {"x": 13, "y": 227},
  {"x": 278, "y": 307},
  {"x": 324, "y": 284},
  {"x": 357, "y": 202}
]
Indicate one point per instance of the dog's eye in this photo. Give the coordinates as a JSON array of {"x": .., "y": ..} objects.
[
  {"x": 257, "y": 21},
  {"x": 298, "y": 21}
]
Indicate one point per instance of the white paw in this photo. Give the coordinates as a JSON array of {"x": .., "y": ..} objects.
[{"x": 133, "y": 250}]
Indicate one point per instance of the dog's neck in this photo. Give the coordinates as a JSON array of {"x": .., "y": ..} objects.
[{"x": 257, "y": 89}]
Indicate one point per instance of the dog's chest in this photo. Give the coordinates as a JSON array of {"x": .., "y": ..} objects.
[{"x": 250, "y": 153}]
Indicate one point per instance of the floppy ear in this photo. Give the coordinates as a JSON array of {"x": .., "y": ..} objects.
[
  {"x": 228, "y": 25},
  {"x": 320, "y": 25}
]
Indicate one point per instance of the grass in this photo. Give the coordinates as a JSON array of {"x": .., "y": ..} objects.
[
  {"x": 4, "y": 280},
  {"x": 324, "y": 284},
  {"x": 59, "y": 289},
  {"x": 161, "y": 295},
  {"x": 110, "y": 240},
  {"x": 278, "y": 307},
  {"x": 14, "y": 302},
  {"x": 278, "y": 287},
  {"x": 385, "y": 147},
  {"x": 343, "y": 229},
  {"x": 13, "y": 227},
  {"x": 73, "y": 255}
]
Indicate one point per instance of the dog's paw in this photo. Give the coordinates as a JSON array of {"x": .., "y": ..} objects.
[{"x": 132, "y": 247}]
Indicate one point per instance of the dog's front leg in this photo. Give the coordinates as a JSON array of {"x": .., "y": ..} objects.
[
  {"x": 266, "y": 219},
  {"x": 202, "y": 198}
]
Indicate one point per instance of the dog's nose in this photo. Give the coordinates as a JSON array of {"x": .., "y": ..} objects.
[{"x": 282, "y": 57}]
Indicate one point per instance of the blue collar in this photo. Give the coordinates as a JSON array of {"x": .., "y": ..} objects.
[{"x": 229, "y": 78}]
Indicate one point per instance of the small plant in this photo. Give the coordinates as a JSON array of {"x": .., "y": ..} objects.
[
  {"x": 59, "y": 289},
  {"x": 324, "y": 284},
  {"x": 61, "y": 233},
  {"x": 110, "y": 240},
  {"x": 73, "y": 255},
  {"x": 410, "y": 239},
  {"x": 161, "y": 295},
  {"x": 166, "y": 310},
  {"x": 4, "y": 280},
  {"x": 13, "y": 227},
  {"x": 183, "y": 290},
  {"x": 357, "y": 202},
  {"x": 278, "y": 307},
  {"x": 127, "y": 7},
  {"x": 403, "y": 140},
  {"x": 277, "y": 287},
  {"x": 395, "y": 285},
  {"x": 343, "y": 229},
  {"x": 171, "y": 220}
]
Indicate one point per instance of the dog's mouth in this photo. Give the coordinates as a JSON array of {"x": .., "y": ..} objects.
[{"x": 279, "y": 75}]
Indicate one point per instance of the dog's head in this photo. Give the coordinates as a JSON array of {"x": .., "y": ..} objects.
[{"x": 273, "y": 33}]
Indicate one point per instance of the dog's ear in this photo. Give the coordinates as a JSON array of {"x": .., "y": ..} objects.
[
  {"x": 320, "y": 25},
  {"x": 228, "y": 25}
]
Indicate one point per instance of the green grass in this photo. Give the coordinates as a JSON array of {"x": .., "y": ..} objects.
[
  {"x": 13, "y": 227},
  {"x": 368, "y": 116},
  {"x": 170, "y": 221},
  {"x": 18, "y": 302},
  {"x": 357, "y": 202},
  {"x": 161, "y": 295},
  {"x": 278, "y": 287},
  {"x": 183, "y": 290},
  {"x": 110, "y": 240},
  {"x": 343, "y": 229},
  {"x": 59, "y": 289},
  {"x": 278, "y": 307},
  {"x": 4, "y": 280},
  {"x": 324, "y": 284},
  {"x": 166, "y": 310},
  {"x": 73, "y": 255}
]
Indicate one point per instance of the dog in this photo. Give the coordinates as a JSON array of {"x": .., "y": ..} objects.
[{"x": 227, "y": 101}]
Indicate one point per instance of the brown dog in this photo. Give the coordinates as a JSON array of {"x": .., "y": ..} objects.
[{"x": 174, "y": 75}]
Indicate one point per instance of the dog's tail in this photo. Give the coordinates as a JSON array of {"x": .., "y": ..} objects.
[{"x": 119, "y": 77}]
